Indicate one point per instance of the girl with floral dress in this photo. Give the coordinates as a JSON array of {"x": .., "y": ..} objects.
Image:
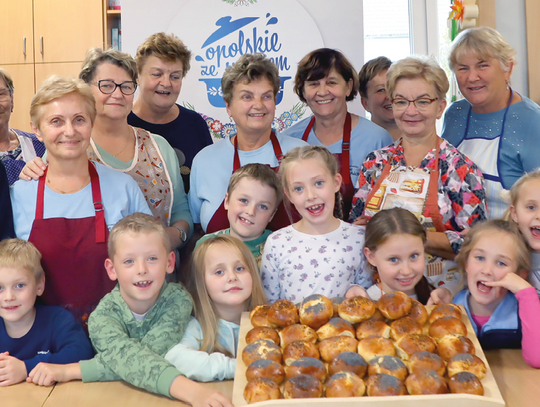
[{"x": 320, "y": 254}]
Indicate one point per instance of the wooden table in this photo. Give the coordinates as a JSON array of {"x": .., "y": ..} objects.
[
  {"x": 518, "y": 382},
  {"x": 24, "y": 395}
]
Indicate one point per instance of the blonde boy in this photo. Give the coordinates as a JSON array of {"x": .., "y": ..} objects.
[
  {"x": 251, "y": 201},
  {"x": 135, "y": 325},
  {"x": 29, "y": 333}
]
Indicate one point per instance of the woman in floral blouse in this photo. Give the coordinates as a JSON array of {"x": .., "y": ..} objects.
[{"x": 422, "y": 172}]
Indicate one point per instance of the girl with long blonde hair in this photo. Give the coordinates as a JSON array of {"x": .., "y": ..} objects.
[{"x": 225, "y": 283}]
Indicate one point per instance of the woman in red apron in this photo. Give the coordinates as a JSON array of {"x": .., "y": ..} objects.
[
  {"x": 326, "y": 81},
  {"x": 249, "y": 88},
  {"x": 423, "y": 173},
  {"x": 65, "y": 213}
]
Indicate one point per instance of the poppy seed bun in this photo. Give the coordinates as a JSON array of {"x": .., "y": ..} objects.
[
  {"x": 261, "y": 389},
  {"x": 335, "y": 327},
  {"x": 267, "y": 368},
  {"x": 262, "y": 332},
  {"x": 385, "y": 385},
  {"x": 426, "y": 361},
  {"x": 302, "y": 386},
  {"x": 310, "y": 366},
  {"x": 345, "y": 384},
  {"x": 426, "y": 382},
  {"x": 261, "y": 349},
  {"x": 356, "y": 309},
  {"x": 394, "y": 305},
  {"x": 465, "y": 362},
  {"x": 374, "y": 346},
  {"x": 348, "y": 362},
  {"x": 466, "y": 382},
  {"x": 283, "y": 313},
  {"x": 391, "y": 365},
  {"x": 297, "y": 332},
  {"x": 315, "y": 311},
  {"x": 372, "y": 327}
]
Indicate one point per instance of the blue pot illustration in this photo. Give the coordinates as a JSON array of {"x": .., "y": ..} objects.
[{"x": 215, "y": 93}]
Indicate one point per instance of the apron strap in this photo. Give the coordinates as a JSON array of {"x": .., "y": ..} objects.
[
  {"x": 101, "y": 226},
  {"x": 345, "y": 146},
  {"x": 308, "y": 129},
  {"x": 275, "y": 145},
  {"x": 96, "y": 198}
]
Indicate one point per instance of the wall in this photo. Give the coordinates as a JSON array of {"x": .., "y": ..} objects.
[{"x": 510, "y": 20}]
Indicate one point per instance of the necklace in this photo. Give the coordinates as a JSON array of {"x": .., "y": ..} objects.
[
  {"x": 56, "y": 189},
  {"x": 123, "y": 148}
]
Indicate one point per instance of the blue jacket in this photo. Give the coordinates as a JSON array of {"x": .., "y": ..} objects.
[{"x": 503, "y": 329}]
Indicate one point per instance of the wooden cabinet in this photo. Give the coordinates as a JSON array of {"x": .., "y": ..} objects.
[{"x": 39, "y": 38}]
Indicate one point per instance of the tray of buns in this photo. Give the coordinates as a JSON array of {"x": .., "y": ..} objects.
[{"x": 357, "y": 351}]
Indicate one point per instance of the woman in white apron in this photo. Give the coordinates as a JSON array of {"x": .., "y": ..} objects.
[
  {"x": 494, "y": 126},
  {"x": 422, "y": 172}
]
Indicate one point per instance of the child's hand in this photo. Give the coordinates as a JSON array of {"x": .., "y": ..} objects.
[
  {"x": 197, "y": 394},
  {"x": 440, "y": 295},
  {"x": 360, "y": 221},
  {"x": 12, "y": 370},
  {"x": 511, "y": 281},
  {"x": 356, "y": 291},
  {"x": 46, "y": 374}
]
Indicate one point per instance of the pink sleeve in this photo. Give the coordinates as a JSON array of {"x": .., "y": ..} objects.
[{"x": 529, "y": 310}]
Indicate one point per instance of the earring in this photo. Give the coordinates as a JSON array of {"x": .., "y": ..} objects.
[
  {"x": 507, "y": 85},
  {"x": 230, "y": 119}
]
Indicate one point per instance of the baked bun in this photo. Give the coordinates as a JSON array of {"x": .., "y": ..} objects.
[
  {"x": 335, "y": 304},
  {"x": 261, "y": 349},
  {"x": 262, "y": 332},
  {"x": 391, "y": 365},
  {"x": 259, "y": 316},
  {"x": 411, "y": 344},
  {"x": 297, "y": 332},
  {"x": 451, "y": 346},
  {"x": 315, "y": 311},
  {"x": 377, "y": 316},
  {"x": 374, "y": 346},
  {"x": 310, "y": 366},
  {"x": 426, "y": 382},
  {"x": 283, "y": 313},
  {"x": 302, "y": 387},
  {"x": 418, "y": 312},
  {"x": 345, "y": 384},
  {"x": 356, "y": 309},
  {"x": 299, "y": 349},
  {"x": 426, "y": 361},
  {"x": 335, "y": 327},
  {"x": 404, "y": 326},
  {"x": 331, "y": 347},
  {"x": 372, "y": 327},
  {"x": 466, "y": 382},
  {"x": 261, "y": 389},
  {"x": 444, "y": 310},
  {"x": 348, "y": 362},
  {"x": 465, "y": 362},
  {"x": 267, "y": 368},
  {"x": 445, "y": 326},
  {"x": 394, "y": 305},
  {"x": 385, "y": 385}
]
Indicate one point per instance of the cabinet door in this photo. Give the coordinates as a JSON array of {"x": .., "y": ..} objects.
[
  {"x": 23, "y": 81},
  {"x": 65, "y": 29},
  {"x": 43, "y": 71},
  {"x": 16, "y": 34}
]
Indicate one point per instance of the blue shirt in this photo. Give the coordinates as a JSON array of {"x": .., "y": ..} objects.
[
  {"x": 55, "y": 337},
  {"x": 120, "y": 194}
]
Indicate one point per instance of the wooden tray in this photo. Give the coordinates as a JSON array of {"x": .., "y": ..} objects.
[{"x": 492, "y": 396}]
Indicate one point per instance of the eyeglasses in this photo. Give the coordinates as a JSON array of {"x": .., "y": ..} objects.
[
  {"x": 108, "y": 86},
  {"x": 421, "y": 104},
  {"x": 5, "y": 95}
]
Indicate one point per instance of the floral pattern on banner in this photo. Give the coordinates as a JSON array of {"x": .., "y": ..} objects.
[
  {"x": 240, "y": 2},
  {"x": 219, "y": 130}
]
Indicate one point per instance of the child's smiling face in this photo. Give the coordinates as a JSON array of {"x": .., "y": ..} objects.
[
  {"x": 140, "y": 264},
  {"x": 526, "y": 212},
  {"x": 492, "y": 257}
]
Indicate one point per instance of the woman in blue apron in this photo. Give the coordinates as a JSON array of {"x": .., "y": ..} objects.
[
  {"x": 493, "y": 125},
  {"x": 421, "y": 172},
  {"x": 249, "y": 88},
  {"x": 326, "y": 81}
]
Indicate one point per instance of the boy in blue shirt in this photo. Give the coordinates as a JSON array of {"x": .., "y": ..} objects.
[{"x": 29, "y": 333}]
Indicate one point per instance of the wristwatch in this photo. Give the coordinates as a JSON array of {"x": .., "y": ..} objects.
[{"x": 183, "y": 234}]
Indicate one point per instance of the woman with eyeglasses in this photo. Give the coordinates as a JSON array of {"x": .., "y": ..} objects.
[
  {"x": 422, "y": 172},
  {"x": 147, "y": 157}
]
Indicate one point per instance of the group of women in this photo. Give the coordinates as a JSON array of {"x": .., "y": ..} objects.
[{"x": 88, "y": 131}]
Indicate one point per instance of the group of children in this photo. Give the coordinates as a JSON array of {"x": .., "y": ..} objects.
[{"x": 143, "y": 332}]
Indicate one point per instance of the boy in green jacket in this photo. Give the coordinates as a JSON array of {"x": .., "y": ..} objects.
[{"x": 136, "y": 324}]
